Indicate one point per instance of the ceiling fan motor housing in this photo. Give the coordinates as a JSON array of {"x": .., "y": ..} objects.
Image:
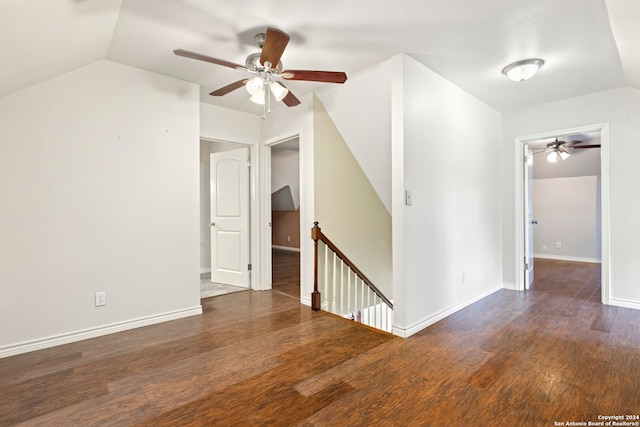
[{"x": 254, "y": 66}]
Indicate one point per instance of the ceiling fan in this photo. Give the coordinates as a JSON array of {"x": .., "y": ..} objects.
[
  {"x": 266, "y": 65},
  {"x": 562, "y": 149}
]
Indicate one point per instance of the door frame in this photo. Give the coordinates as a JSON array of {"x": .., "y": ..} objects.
[
  {"x": 604, "y": 201},
  {"x": 254, "y": 219},
  {"x": 267, "y": 270}
]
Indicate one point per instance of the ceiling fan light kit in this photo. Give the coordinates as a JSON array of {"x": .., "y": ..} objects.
[
  {"x": 520, "y": 71},
  {"x": 262, "y": 87}
]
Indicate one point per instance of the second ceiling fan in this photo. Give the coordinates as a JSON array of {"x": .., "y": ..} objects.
[
  {"x": 562, "y": 149},
  {"x": 266, "y": 65}
]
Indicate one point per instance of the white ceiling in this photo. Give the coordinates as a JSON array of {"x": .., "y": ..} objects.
[{"x": 588, "y": 45}]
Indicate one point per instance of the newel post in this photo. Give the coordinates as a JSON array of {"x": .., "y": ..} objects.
[{"x": 316, "y": 234}]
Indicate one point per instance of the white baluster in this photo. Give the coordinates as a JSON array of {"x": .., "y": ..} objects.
[
  {"x": 333, "y": 302},
  {"x": 362, "y": 303},
  {"x": 348, "y": 290},
  {"x": 341, "y": 288},
  {"x": 355, "y": 294},
  {"x": 325, "y": 292}
]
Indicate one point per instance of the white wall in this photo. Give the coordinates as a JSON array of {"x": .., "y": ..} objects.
[
  {"x": 221, "y": 124},
  {"x": 99, "y": 184},
  {"x": 567, "y": 211},
  {"x": 447, "y": 246},
  {"x": 285, "y": 170},
  {"x": 621, "y": 109},
  {"x": 361, "y": 110}
]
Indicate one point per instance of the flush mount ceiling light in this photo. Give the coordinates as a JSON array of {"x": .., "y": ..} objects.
[{"x": 520, "y": 71}]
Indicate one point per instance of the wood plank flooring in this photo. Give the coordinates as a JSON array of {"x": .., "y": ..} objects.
[
  {"x": 286, "y": 272},
  {"x": 258, "y": 358}
]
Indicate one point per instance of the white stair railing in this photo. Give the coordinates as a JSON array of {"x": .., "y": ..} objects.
[{"x": 341, "y": 288}]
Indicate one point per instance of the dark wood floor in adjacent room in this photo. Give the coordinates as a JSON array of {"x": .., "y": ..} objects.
[
  {"x": 260, "y": 358},
  {"x": 285, "y": 275}
]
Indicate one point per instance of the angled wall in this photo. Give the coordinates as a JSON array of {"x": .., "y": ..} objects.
[{"x": 347, "y": 206}]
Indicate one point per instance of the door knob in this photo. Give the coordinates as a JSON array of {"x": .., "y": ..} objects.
[{"x": 534, "y": 221}]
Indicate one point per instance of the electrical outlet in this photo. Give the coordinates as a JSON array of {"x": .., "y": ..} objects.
[
  {"x": 558, "y": 245},
  {"x": 101, "y": 298},
  {"x": 544, "y": 247},
  {"x": 464, "y": 278},
  {"x": 288, "y": 238}
]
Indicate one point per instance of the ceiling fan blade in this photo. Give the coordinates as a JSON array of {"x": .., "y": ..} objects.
[
  {"x": 229, "y": 88},
  {"x": 315, "y": 76},
  {"x": 585, "y": 146},
  {"x": 290, "y": 100},
  {"x": 205, "y": 58},
  {"x": 574, "y": 142},
  {"x": 274, "y": 43}
]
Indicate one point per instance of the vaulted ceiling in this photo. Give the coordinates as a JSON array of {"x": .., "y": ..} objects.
[{"x": 588, "y": 45}]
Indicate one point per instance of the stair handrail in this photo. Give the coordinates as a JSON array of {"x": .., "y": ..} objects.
[{"x": 318, "y": 235}]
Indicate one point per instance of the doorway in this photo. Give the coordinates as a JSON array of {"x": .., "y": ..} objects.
[
  {"x": 285, "y": 188},
  {"x": 570, "y": 194},
  {"x": 225, "y": 223}
]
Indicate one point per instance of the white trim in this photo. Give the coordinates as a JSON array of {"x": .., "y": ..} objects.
[
  {"x": 285, "y": 248},
  {"x": 624, "y": 303},
  {"x": 417, "y": 327},
  {"x": 567, "y": 258},
  {"x": 605, "y": 201},
  {"x": 510, "y": 286},
  {"x": 265, "y": 204},
  {"x": 55, "y": 340},
  {"x": 205, "y": 270},
  {"x": 305, "y": 301}
]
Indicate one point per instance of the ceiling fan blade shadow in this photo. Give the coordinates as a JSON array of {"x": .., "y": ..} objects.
[
  {"x": 229, "y": 88},
  {"x": 315, "y": 76},
  {"x": 274, "y": 44},
  {"x": 205, "y": 58}
]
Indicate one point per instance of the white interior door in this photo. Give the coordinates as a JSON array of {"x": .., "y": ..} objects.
[
  {"x": 528, "y": 217},
  {"x": 230, "y": 217}
]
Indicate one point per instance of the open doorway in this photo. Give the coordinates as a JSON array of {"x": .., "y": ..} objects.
[
  {"x": 563, "y": 212},
  {"x": 285, "y": 217},
  {"x": 224, "y": 218}
]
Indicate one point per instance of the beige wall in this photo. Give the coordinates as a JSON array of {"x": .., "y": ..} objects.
[{"x": 347, "y": 206}]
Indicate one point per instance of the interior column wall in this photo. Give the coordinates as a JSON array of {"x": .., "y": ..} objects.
[{"x": 451, "y": 246}]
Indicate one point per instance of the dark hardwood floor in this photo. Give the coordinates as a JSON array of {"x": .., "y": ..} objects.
[
  {"x": 551, "y": 354},
  {"x": 286, "y": 272}
]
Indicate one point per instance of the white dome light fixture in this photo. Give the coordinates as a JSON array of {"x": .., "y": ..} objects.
[{"x": 520, "y": 71}]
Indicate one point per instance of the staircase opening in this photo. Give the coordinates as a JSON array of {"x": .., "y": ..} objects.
[{"x": 339, "y": 287}]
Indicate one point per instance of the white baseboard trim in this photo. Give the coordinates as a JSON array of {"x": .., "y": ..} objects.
[
  {"x": 42, "y": 343},
  {"x": 305, "y": 301},
  {"x": 417, "y": 327},
  {"x": 567, "y": 258},
  {"x": 205, "y": 270},
  {"x": 624, "y": 303},
  {"x": 285, "y": 248},
  {"x": 510, "y": 286}
]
